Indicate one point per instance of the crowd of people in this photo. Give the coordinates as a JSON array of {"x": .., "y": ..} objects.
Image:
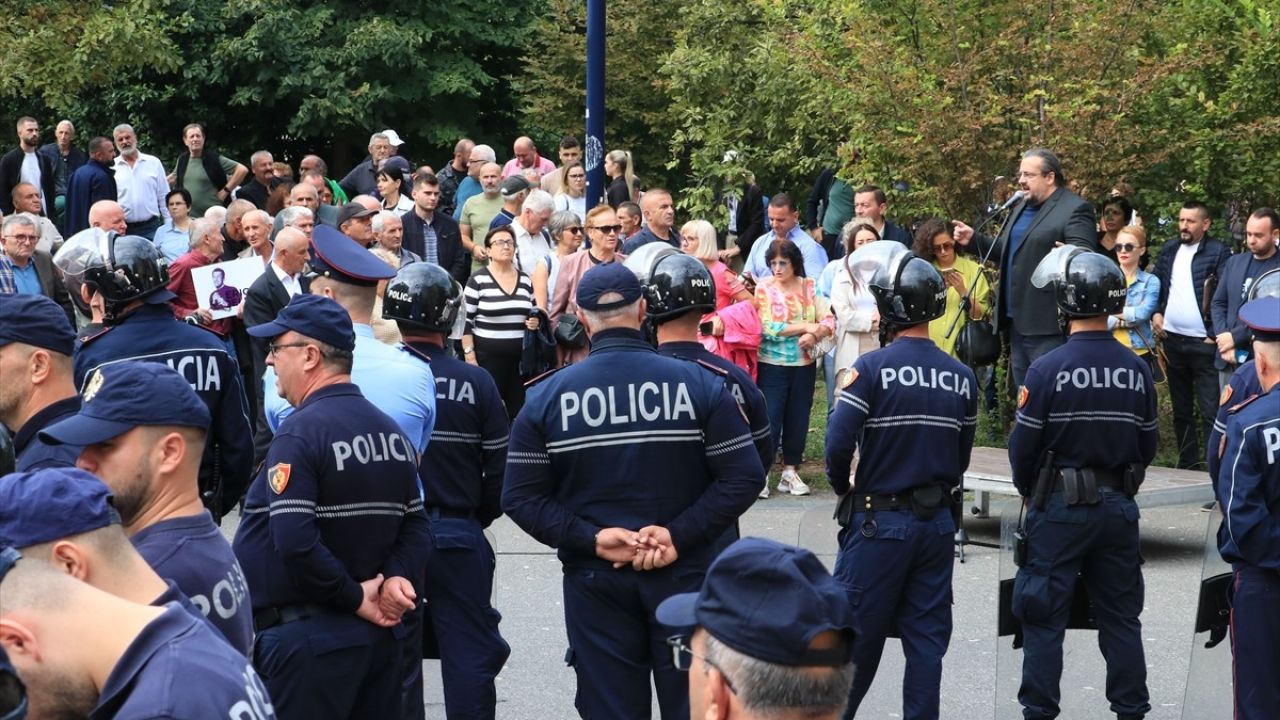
[{"x": 460, "y": 324}]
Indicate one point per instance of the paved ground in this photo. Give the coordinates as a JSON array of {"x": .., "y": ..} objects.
[{"x": 536, "y": 684}]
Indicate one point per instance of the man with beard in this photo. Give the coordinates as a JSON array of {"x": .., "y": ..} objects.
[{"x": 141, "y": 183}]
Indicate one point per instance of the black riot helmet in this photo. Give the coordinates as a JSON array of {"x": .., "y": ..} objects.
[
  {"x": 1266, "y": 285},
  {"x": 908, "y": 289},
  {"x": 423, "y": 295},
  {"x": 678, "y": 284},
  {"x": 121, "y": 268},
  {"x": 1085, "y": 284}
]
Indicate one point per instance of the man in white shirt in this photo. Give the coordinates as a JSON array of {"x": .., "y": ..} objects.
[
  {"x": 141, "y": 183},
  {"x": 532, "y": 240}
]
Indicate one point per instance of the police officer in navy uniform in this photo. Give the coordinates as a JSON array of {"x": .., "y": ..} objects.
[
  {"x": 94, "y": 655},
  {"x": 1249, "y": 538},
  {"x": 462, "y": 480},
  {"x": 1085, "y": 432},
  {"x": 679, "y": 290},
  {"x": 149, "y": 453},
  {"x": 128, "y": 274},
  {"x": 910, "y": 410},
  {"x": 1243, "y": 385},
  {"x": 36, "y": 343},
  {"x": 334, "y": 536},
  {"x": 633, "y": 465}
]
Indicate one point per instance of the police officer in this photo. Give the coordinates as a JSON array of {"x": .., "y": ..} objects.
[
  {"x": 633, "y": 465},
  {"x": 149, "y": 454},
  {"x": 65, "y": 517},
  {"x": 1249, "y": 539},
  {"x": 679, "y": 290},
  {"x": 333, "y": 535},
  {"x": 1242, "y": 386},
  {"x": 910, "y": 410},
  {"x": 92, "y": 654},
  {"x": 1085, "y": 432},
  {"x": 36, "y": 342},
  {"x": 462, "y": 480},
  {"x": 388, "y": 376},
  {"x": 127, "y": 275}
]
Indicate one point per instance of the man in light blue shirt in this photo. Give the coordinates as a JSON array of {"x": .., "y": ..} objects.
[
  {"x": 396, "y": 382},
  {"x": 784, "y": 219}
]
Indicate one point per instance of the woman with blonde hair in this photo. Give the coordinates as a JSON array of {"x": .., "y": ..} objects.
[
  {"x": 624, "y": 186},
  {"x": 734, "y": 325},
  {"x": 573, "y": 190}
]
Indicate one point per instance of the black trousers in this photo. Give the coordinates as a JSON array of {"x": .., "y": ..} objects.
[
  {"x": 502, "y": 360},
  {"x": 1193, "y": 387}
]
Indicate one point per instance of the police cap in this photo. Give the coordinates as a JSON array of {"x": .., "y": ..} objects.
[
  {"x": 52, "y": 504},
  {"x": 121, "y": 396},
  {"x": 423, "y": 295},
  {"x": 338, "y": 257},
  {"x": 768, "y": 601},
  {"x": 35, "y": 320},
  {"x": 314, "y": 316},
  {"x": 1263, "y": 318},
  {"x": 601, "y": 280}
]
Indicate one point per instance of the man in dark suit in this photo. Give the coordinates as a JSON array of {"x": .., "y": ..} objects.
[
  {"x": 91, "y": 183},
  {"x": 33, "y": 270},
  {"x": 1049, "y": 215},
  {"x": 267, "y": 296},
  {"x": 25, "y": 164},
  {"x": 1261, "y": 232},
  {"x": 66, "y": 159},
  {"x": 434, "y": 236}
]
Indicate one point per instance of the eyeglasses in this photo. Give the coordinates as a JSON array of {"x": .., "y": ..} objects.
[
  {"x": 1022, "y": 175},
  {"x": 1127, "y": 247},
  {"x": 577, "y": 177},
  {"x": 274, "y": 348},
  {"x": 944, "y": 247},
  {"x": 502, "y": 243},
  {"x": 688, "y": 239},
  {"x": 607, "y": 229},
  {"x": 23, "y": 238},
  {"x": 682, "y": 658}
]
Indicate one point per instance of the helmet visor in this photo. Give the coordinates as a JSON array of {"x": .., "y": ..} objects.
[
  {"x": 641, "y": 262},
  {"x": 877, "y": 264},
  {"x": 1053, "y": 268},
  {"x": 82, "y": 251},
  {"x": 1267, "y": 285}
]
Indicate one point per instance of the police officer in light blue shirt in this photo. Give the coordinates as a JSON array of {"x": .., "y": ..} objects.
[
  {"x": 334, "y": 539},
  {"x": 462, "y": 481},
  {"x": 633, "y": 466},
  {"x": 388, "y": 376},
  {"x": 910, "y": 411},
  {"x": 1085, "y": 431}
]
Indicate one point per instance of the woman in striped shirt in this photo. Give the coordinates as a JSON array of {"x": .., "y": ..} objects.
[{"x": 499, "y": 301}]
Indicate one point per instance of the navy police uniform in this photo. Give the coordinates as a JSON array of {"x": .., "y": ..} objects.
[
  {"x": 628, "y": 439},
  {"x": 189, "y": 550},
  {"x": 1241, "y": 388},
  {"x": 37, "y": 321},
  {"x": 1249, "y": 538},
  {"x": 741, "y": 386},
  {"x": 1092, "y": 404},
  {"x": 462, "y": 473},
  {"x": 151, "y": 333},
  {"x": 896, "y": 561},
  {"x": 336, "y": 504}
]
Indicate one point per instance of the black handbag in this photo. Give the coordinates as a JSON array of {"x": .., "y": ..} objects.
[
  {"x": 978, "y": 344},
  {"x": 570, "y": 333}
]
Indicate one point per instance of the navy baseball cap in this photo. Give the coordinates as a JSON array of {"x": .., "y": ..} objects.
[
  {"x": 315, "y": 316},
  {"x": 600, "y": 280},
  {"x": 52, "y": 504},
  {"x": 336, "y": 256},
  {"x": 1263, "y": 318},
  {"x": 35, "y": 320},
  {"x": 118, "y": 397},
  {"x": 768, "y": 601}
]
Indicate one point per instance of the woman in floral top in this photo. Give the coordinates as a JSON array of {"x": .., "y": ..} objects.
[{"x": 788, "y": 310}]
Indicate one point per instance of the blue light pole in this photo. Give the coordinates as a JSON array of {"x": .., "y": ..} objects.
[{"x": 594, "y": 154}]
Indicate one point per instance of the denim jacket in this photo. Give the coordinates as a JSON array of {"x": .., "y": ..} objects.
[{"x": 1139, "y": 305}]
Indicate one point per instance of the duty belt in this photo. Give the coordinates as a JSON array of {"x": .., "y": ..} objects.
[{"x": 270, "y": 617}]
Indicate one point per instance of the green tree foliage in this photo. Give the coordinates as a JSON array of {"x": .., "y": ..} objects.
[{"x": 291, "y": 75}]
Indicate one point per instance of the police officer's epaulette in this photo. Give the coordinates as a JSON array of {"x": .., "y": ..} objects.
[
  {"x": 713, "y": 368},
  {"x": 414, "y": 352},
  {"x": 1241, "y": 405},
  {"x": 539, "y": 378},
  {"x": 85, "y": 339}
]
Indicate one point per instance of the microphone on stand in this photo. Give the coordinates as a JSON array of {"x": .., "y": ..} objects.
[{"x": 1013, "y": 200}]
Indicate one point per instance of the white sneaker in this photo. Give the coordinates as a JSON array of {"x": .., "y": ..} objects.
[
  {"x": 764, "y": 494},
  {"x": 784, "y": 483},
  {"x": 791, "y": 480}
]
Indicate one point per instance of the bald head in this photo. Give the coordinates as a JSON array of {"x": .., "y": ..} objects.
[
  {"x": 108, "y": 215},
  {"x": 368, "y": 202},
  {"x": 525, "y": 151}
]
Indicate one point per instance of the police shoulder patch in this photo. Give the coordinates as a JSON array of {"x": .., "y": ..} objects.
[
  {"x": 278, "y": 477},
  {"x": 847, "y": 377},
  {"x": 1226, "y": 395},
  {"x": 539, "y": 378},
  {"x": 1023, "y": 395}
]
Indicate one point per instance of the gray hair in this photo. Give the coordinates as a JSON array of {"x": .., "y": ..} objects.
[
  {"x": 290, "y": 216},
  {"x": 260, "y": 154},
  {"x": 215, "y": 216},
  {"x": 123, "y": 126},
  {"x": 261, "y": 214},
  {"x": 26, "y": 219},
  {"x": 380, "y": 221},
  {"x": 767, "y": 689},
  {"x": 378, "y": 136},
  {"x": 539, "y": 201},
  {"x": 199, "y": 229},
  {"x": 486, "y": 153},
  {"x": 1050, "y": 163},
  {"x": 561, "y": 221},
  {"x": 624, "y": 316}
]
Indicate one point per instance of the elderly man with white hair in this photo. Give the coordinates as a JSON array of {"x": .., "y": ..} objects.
[
  {"x": 532, "y": 240},
  {"x": 388, "y": 230},
  {"x": 363, "y": 178},
  {"x": 141, "y": 184}
]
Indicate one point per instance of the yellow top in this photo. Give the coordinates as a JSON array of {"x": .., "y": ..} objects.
[{"x": 971, "y": 272}]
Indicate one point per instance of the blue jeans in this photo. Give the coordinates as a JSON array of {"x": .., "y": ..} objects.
[
  {"x": 788, "y": 395},
  {"x": 1026, "y": 349},
  {"x": 829, "y": 379}
]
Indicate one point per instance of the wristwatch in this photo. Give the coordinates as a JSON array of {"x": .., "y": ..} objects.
[{"x": 468, "y": 350}]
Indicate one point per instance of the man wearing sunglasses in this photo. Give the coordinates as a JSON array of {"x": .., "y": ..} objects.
[{"x": 772, "y": 634}]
